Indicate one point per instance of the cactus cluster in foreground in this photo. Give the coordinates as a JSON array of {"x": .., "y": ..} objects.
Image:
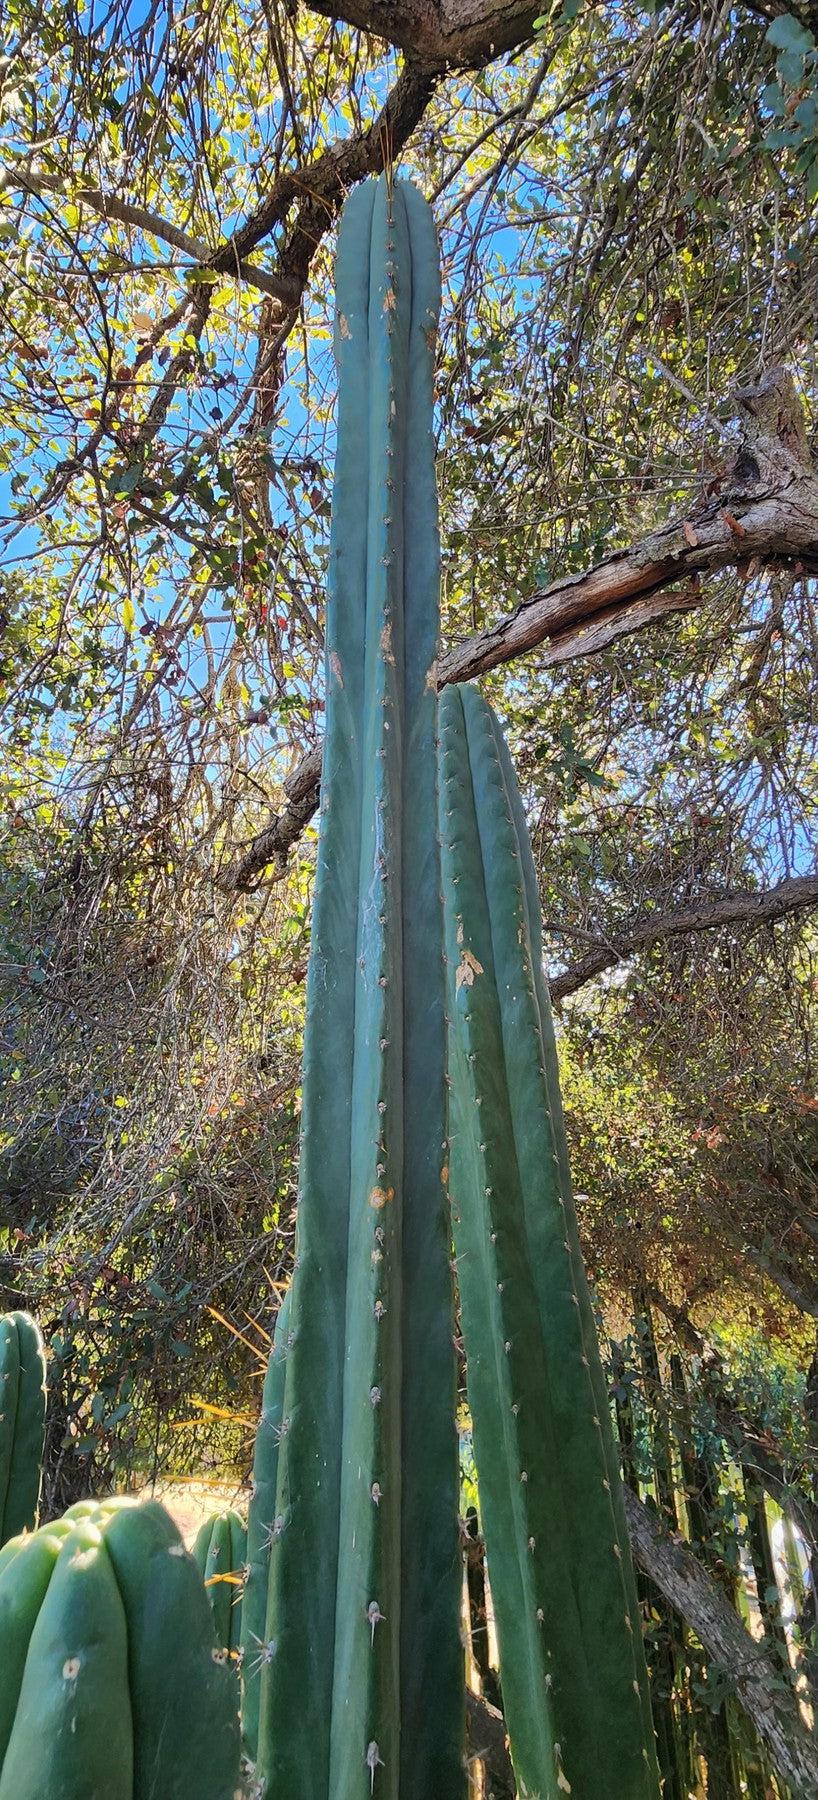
[{"x": 111, "y": 1684}]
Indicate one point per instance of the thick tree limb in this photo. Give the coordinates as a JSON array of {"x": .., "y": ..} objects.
[
  {"x": 769, "y": 1703},
  {"x": 461, "y": 34},
  {"x": 765, "y": 509},
  {"x": 764, "y": 513},
  {"x": 742, "y": 906}
]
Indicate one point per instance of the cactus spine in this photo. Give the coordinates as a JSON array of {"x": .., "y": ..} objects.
[
  {"x": 572, "y": 1670},
  {"x": 22, "y": 1422},
  {"x": 219, "y": 1553},
  {"x": 365, "y": 1578},
  {"x": 109, "y": 1680},
  {"x": 260, "y": 1527}
]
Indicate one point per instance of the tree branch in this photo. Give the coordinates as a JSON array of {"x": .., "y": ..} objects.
[
  {"x": 770, "y": 1704},
  {"x": 321, "y": 186},
  {"x": 740, "y": 907},
  {"x": 764, "y": 513},
  {"x": 463, "y": 34},
  {"x": 109, "y": 207},
  {"x": 765, "y": 510}
]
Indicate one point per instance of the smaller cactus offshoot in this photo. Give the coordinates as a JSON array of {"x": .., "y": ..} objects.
[{"x": 220, "y": 1551}]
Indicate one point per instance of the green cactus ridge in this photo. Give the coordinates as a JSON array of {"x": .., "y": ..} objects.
[
  {"x": 111, "y": 1687},
  {"x": 220, "y": 1553},
  {"x": 260, "y": 1527},
  {"x": 364, "y": 1591},
  {"x": 22, "y": 1422},
  {"x": 574, "y": 1683}
]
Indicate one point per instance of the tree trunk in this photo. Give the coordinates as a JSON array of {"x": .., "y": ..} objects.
[{"x": 694, "y": 1594}]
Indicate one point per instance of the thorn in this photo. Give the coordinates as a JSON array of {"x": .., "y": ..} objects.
[
  {"x": 374, "y": 1615},
  {"x": 373, "y": 1760}
]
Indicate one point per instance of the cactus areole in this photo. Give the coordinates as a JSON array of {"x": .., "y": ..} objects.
[
  {"x": 571, "y": 1664},
  {"x": 111, "y": 1684},
  {"x": 362, "y": 1665},
  {"x": 22, "y": 1422}
]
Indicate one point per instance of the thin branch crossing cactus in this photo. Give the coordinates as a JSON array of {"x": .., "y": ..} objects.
[
  {"x": 572, "y": 1669},
  {"x": 22, "y": 1422},
  {"x": 110, "y": 1681},
  {"x": 363, "y": 1617}
]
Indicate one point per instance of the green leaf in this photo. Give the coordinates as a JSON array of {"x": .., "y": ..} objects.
[{"x": 787, "y": 33}]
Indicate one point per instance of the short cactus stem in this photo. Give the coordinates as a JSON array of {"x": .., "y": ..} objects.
[
  {"x": 574, "y": 1683},
  {"x": 364, "y": 1696},
  {"x": 22, "y": 1422},
  {"x": 220, "y": 1554}
]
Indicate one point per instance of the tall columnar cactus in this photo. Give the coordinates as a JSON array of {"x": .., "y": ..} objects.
[
  {"x": 260, "y": 1518},
  {"x": 571, "y": 1664},
  {"x": 365, "y": 1578},
  {"x": 110, "y": 1683},
  {"x": 22, "y": 1422},
  {"x": 219, "y": 1553}
]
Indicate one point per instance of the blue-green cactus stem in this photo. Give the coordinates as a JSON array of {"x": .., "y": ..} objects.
[
  {"x": 22, "y": 1422},
  {"x": 572, "y": 1670},
  {"x": 365, "y": 1573},
  {"x": 261, "y": 1526}
]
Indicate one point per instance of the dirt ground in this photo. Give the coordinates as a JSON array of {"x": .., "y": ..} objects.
[{"x": 190, "y": 1502}]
